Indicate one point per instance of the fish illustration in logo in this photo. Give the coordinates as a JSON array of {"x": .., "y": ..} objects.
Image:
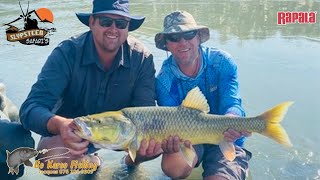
[{"x": 20, "y": 156}]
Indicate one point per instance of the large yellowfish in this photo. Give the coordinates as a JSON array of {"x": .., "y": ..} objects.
[{"x": 124, "y": 129}]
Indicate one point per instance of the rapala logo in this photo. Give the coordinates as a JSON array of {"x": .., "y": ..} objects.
[{"x": 297, "y": 17}]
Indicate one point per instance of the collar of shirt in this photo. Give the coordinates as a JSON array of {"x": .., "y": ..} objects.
[
  {"x": 179, "y": 74},
  {"x": 122, "y": 57}
]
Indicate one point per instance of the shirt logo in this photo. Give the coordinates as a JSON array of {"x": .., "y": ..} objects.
[
  {"x": 31, "y": 33},
  {"x": 213, "y": 88},
  {"x": 121, "y": 5},
  {"x": 297, "y": 17}
]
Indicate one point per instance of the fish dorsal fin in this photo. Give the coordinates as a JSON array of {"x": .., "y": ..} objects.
[
  {"x": 8, "y": 154},
  {"x": 196, "y": 100}
]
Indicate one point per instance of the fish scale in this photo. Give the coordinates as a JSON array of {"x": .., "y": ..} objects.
[{"x": 191, "y": 124}]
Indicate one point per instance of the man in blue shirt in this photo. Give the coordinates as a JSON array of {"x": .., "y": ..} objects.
[
  {"x": 103, "y": 69},
  {"x": 215, "y": 73}
]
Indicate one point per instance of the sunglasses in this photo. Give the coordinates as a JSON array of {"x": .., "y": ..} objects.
[
  {"x": 178, "y": 36},
  {"x": 107, "y": 22}
]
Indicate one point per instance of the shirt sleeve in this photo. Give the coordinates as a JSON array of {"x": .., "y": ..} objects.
[
  {"x": 12, "y": 136},
  {"x": 230, "y": 101},
  {"x": 36, "y": 111},
  {"x": 144, "y": 90}
]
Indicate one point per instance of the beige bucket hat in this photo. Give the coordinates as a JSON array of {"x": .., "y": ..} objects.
[{"x": 177, "y": 22}]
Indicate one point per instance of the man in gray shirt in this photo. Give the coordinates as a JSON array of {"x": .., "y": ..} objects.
[{"x": 103, "y": 69}]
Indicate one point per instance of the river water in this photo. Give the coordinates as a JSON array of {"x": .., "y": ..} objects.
[{"x": 276, "y": 63}]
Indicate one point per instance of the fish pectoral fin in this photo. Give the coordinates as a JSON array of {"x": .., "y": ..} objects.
[
  {"x": 133, "y": 148},
  {"x": 28, "y": 163},
  {"x": 132, "y": 154},
  {"x": 228, "y": 150},
  {"x": 188, "y": 154}
]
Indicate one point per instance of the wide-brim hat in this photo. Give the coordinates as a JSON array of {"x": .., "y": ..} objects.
[
  {"x": 117, "y": 7},
  {"x": 178, "y": 22}
]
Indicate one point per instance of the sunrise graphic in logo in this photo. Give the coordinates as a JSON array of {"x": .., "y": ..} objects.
[{"x": 45, "y": 15}]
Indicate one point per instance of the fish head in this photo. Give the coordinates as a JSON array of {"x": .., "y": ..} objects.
[
  {"x": 28, "y": 152},
  {"x": 111, "y": 130}
]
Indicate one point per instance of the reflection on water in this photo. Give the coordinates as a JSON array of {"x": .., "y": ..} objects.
[
  {"x": 120, "y": 171},
  {"x": 243, "y": 19},
  {"x": 276, "y": 63}
]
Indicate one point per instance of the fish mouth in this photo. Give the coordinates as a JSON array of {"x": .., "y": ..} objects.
[{"x": 83, "y": 129}]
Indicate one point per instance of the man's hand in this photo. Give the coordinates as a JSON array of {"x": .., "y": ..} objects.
[
  {"x": 173, "y": 162},
  {"x": 172, "y": 144},
  {"x": 150, "y": 149},
  {"x": 65, "y": 128},
  {"x": 146, "y": 152},
  {"x": 232, "y": 135}
]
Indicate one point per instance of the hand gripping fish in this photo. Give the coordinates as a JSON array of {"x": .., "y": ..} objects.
[{"x": 124, "y": 129}]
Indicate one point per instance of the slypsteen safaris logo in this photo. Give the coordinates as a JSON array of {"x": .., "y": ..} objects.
[{"x": 33, "y": 31}]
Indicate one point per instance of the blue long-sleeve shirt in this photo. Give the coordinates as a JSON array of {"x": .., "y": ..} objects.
[
  {"x": 73, "y": 82},
  {"x": 217, "y": 79}
]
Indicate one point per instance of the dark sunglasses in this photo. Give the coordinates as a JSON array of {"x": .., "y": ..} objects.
[
  {"x": 107, "y": 22},
  {"x": 177, "y": 37}
]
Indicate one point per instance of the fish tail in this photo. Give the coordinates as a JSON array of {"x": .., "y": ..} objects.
[{"x": 273, "y": 129}]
